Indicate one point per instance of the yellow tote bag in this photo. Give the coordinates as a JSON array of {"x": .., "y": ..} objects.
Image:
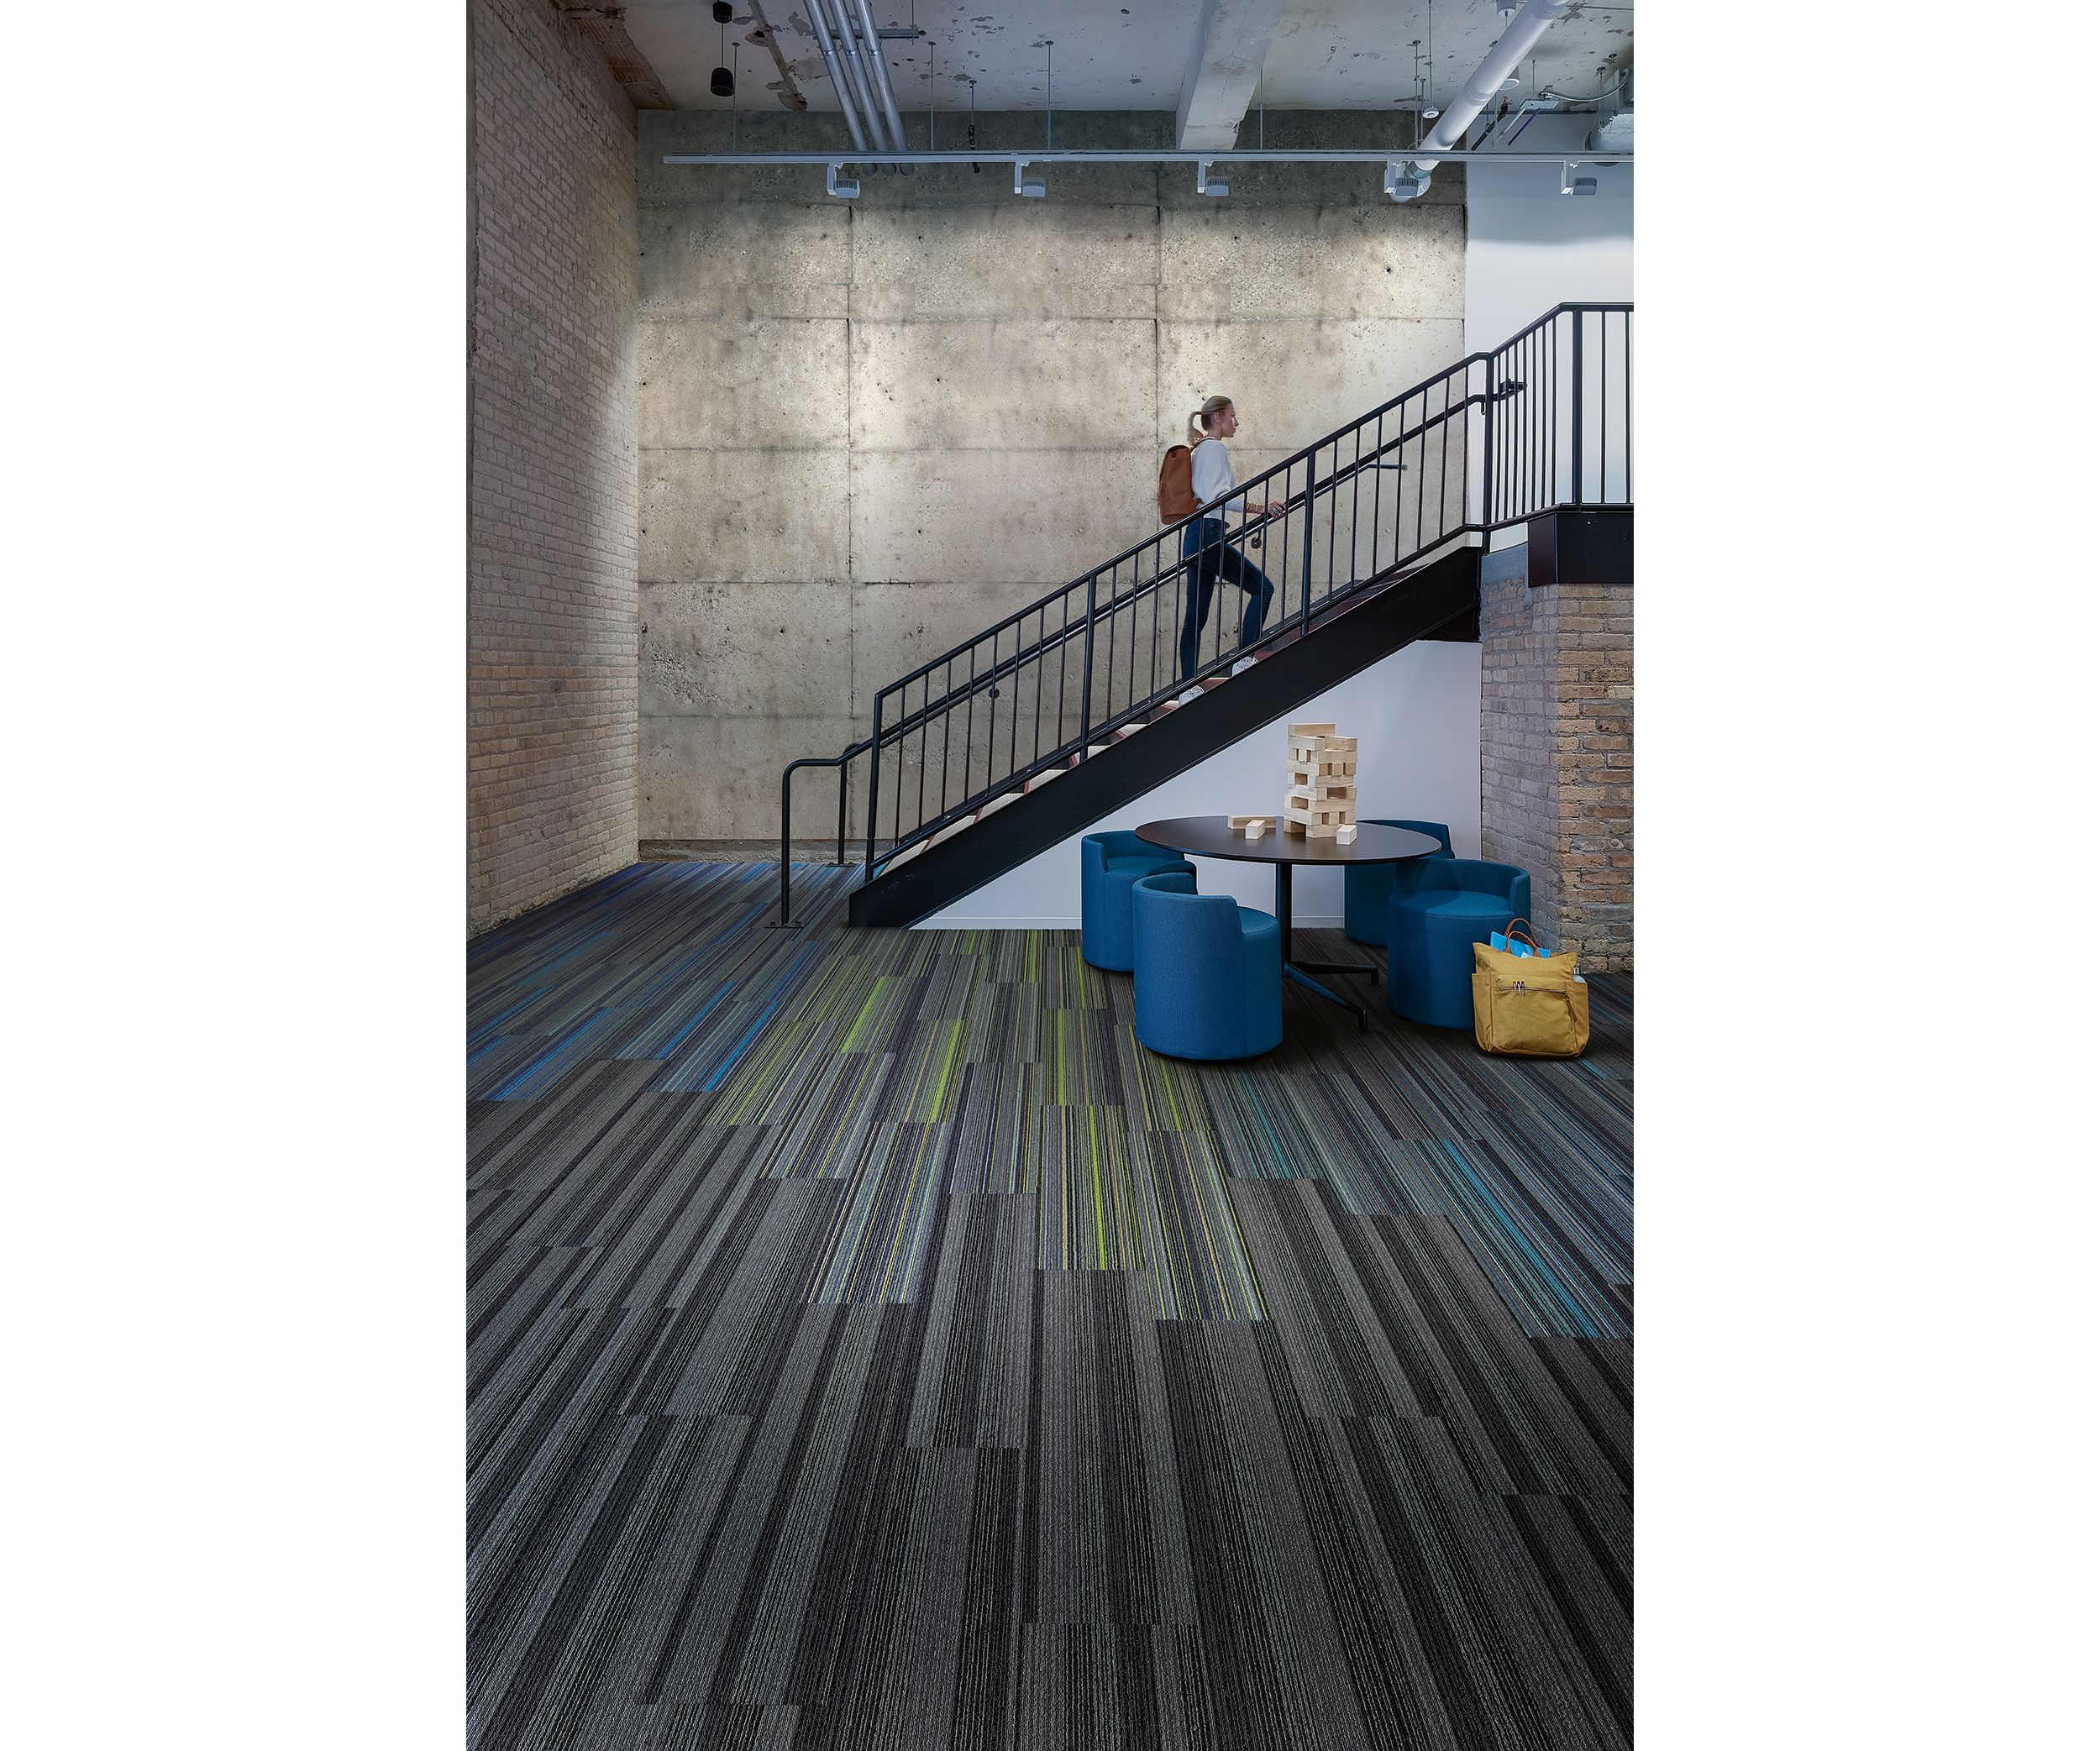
[{"x": 1529, "y": 1006}]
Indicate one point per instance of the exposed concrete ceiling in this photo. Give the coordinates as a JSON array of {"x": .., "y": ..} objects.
[
  {"x": 1225, "y": 70},
  {"x": 1123, "y": 54}
]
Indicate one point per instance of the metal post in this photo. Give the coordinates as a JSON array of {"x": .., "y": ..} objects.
[
  {"x": 844, "y": 767},
  {"x": 874, "y": 772},
  {"x": 787, "y": 778},
  {"x": 1579, "y": 408},
  {"x": 1488, "y": 457},
  {"x": 1305, "y": 582},
  {"x": 1086, "y": 671}
]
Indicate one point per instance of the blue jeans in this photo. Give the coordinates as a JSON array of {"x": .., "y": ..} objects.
[{"x": 1208, "y": 559}]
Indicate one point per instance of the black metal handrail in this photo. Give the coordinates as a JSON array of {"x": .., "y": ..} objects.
[
  {"x": 1494, "y": 438},
  {"x": 842, "y": 760}
]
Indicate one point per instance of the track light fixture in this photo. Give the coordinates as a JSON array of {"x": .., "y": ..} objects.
[
  {"x": 1029, "y": 185},
  {"x": 1572, "y": 184},
  {"x": 1404, "y": 181},
  {"x": 1204, "y": 185},
  {"x": 846, "y": 189}
]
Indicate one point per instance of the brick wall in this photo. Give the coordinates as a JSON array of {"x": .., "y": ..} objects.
[
  {"x": 552, "y": 492},
  {"x": 1557, "y": 754}
]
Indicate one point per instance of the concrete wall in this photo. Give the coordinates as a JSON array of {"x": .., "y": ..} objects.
[
  {"x": 1414, "y": 715},
  {"x": 869, "y": 429},
  {"x": 551, "y": 519}
]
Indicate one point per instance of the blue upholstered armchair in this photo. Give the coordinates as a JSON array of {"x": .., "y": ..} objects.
[
  {"x": 1431, "y": 927},
  {"x": 1367, "y": 887},
  {"x": 1210, "y": 971},
  {"x": 1108, "y": 863}
]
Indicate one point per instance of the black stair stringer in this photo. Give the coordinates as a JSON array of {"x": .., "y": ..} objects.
[{"x": 1341, "y": 642}]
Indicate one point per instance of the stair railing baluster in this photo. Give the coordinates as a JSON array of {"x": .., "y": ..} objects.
[
  {"x": 1283, "y": 546},
  {"x": 896, "y": 784},
  {"x": 1443, "y": 461},
  {"x": 1086, "y": 672},
  {"x": 1377, "y": 494},
  {"x": 969, "y": 725},
  {"x": 1013, "y": 714},
  {"x": 1305, "y": 605},
  {"x": 1488, "y": 455}
]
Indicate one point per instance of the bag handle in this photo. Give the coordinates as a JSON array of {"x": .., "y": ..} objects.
[{"x": 1514, "y": 934}]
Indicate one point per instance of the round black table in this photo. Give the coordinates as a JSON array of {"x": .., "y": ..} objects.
[{"x": 1211, "y": 836}]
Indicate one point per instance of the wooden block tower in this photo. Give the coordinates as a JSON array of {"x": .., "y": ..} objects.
[{"x": 1321, "y": 802}]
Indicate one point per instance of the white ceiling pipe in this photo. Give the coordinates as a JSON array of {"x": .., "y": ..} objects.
[
  {"x": 838, "y": 74},
  {"x": 880, "y": 69},
  {"x": 1516, "y": 42}
]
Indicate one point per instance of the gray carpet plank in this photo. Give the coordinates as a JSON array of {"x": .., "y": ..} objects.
[{"x": 871, "y": 1344}]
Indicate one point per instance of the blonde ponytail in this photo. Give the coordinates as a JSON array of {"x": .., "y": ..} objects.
[{"x": 1199, "y": 422}]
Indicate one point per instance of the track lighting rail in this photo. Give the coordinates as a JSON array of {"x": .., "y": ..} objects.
[{"x": 1041, "y": 154}]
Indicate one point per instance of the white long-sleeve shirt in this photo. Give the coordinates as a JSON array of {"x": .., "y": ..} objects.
[{"x": 1211, "y": 473}]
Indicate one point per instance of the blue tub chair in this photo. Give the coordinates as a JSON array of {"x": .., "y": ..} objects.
[
  {"x": 1431, "y": 927},
  {"x": 1210, "y": 971},
  {"x": 1108, "y": 863},
  {"x": 1367, "y": 887}
]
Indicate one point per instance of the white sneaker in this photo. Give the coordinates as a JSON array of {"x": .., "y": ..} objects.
[{"x": 1244, "y": 664}]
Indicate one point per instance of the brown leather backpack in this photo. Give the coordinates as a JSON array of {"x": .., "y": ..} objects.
[{"x": 1177, "y": 491}]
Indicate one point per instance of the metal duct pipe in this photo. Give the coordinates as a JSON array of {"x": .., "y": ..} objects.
[
  {"x": 839, "y": 17},
  {"x": 1516, "y": 42},
  {"x": 838, "y": 73},
  {"x": 878, "y": 68},
  {"x": 853, "y": 94}
]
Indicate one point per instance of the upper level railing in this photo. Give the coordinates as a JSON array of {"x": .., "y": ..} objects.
[{"x": 1543, "y": 421}]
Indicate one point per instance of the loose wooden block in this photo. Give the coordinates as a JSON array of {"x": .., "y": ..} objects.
[
  {"x": 1346, "y": 835},
  {"x": 1312, "y": 729}
]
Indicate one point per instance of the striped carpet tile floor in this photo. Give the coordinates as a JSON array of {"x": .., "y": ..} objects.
[{"x": 871, "y": 1344}]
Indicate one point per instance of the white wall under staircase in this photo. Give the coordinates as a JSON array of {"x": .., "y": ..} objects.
[{"x": 1416, "y": 717}]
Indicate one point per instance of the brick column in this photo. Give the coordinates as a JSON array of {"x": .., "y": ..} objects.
[
  {"x": 1557, "y": 753},
  {"x": 553, "y": 498}
]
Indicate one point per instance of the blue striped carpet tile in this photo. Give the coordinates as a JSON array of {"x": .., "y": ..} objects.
[
  {"x": 953, "y": 1372},
  {"x": 665, "y": 962}
]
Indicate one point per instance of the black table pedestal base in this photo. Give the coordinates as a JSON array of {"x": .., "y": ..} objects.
[{"x": 1301, "y": 971}]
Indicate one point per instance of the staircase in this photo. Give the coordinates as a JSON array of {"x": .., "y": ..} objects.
[{"x": 1042, "y": 724}]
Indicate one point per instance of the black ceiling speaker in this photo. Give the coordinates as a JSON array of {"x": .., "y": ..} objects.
[{"x": 721, "y": 82}]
